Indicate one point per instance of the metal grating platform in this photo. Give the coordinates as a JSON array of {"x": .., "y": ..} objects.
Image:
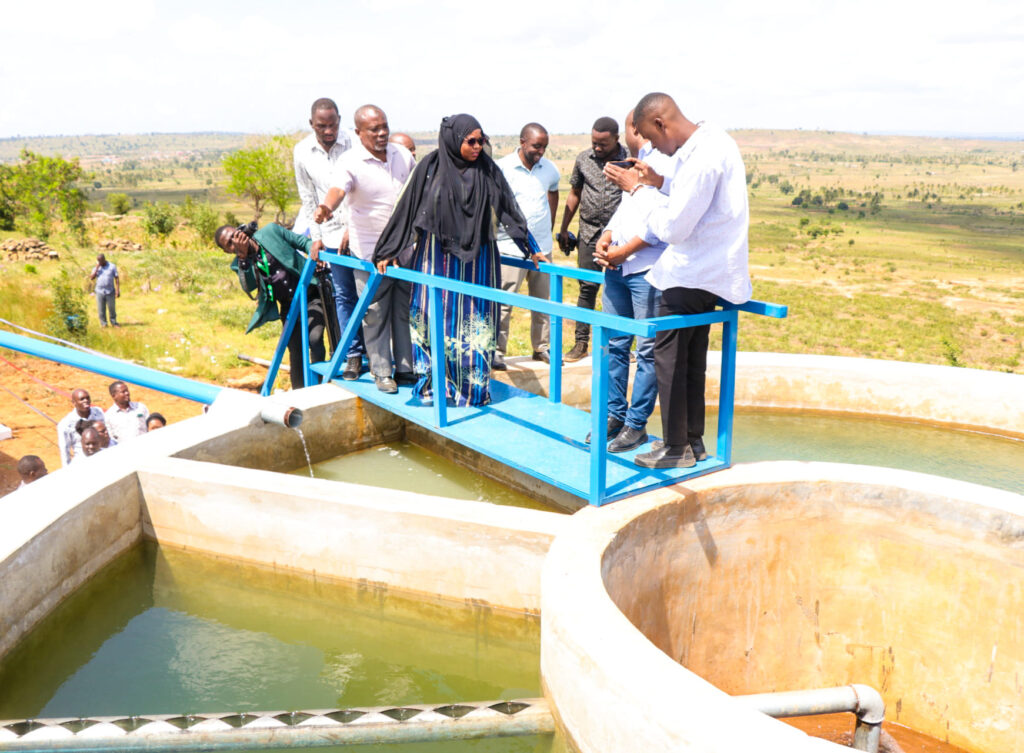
[{"x": 532, "y": 434}]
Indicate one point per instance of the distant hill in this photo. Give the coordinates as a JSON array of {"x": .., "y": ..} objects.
[{"x": 138, "y": 146}]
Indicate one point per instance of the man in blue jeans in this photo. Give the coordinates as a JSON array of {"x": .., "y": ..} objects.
[{"x": 626, "y": 259}]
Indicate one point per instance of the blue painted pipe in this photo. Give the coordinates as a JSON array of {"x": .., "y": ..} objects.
[{"x": 113, "y": 367}]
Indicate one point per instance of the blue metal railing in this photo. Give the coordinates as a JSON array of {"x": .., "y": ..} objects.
[
  {"x": 113, "y": 367},
  {"x": 602, "y": 325}
]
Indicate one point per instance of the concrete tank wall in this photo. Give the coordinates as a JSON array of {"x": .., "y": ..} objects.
[{"x": 786, "y": 576}]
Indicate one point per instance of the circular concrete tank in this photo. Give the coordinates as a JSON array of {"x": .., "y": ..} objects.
[{"x": 786, "y": 576}]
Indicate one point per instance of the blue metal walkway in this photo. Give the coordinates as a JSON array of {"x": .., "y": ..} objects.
[{"x": 536, "y": 435}]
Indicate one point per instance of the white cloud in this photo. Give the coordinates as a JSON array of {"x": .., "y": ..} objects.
[{"x": 194, "y": 65}]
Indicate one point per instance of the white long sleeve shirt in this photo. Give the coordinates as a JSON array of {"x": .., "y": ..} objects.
[
  {"x": 314, "y": 168},
  {"x": 705, "y": 221}
]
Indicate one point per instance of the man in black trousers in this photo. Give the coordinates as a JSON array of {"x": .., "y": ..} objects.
[
  {"x": 597, "y": 198},
  {"x": 705, "y": 223}
]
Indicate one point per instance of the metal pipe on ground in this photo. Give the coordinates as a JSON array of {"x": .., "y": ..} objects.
[
  {"x": 262, "y": 362},
  {"x": 862, "y": 700},
  {"x": 280, "y": 729}
]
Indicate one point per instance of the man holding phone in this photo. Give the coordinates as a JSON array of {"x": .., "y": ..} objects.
[
  {"x": 697, "y": 205},
  {"x": 597, "y": 198}
]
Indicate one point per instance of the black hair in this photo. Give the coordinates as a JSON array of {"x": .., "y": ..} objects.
[
  {"x": 324, "y": 103},
  {"x": 82, "y": 424},
  {"x": 159, "y": 416},
  {"x": 113, "y": 386},
  {"x": 607, "y": 125},
  {"x": 30, "y": 463},
  {"x": 532, "y": 128},
  {"x": 249, "y": 228},
  {"x": 647, "y": 105}
]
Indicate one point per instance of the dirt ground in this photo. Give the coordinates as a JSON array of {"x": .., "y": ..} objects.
[{"x": 47, "y": 386}]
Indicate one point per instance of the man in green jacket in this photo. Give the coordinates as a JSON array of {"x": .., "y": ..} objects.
[{"x": 270, "y": 261}]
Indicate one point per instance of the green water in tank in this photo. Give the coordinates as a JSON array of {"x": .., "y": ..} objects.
[{"x": 165, "y": 631}]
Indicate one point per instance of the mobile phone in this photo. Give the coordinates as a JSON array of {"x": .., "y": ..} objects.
[{"x": 625, "y": 163}]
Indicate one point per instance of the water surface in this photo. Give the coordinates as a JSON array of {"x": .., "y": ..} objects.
[{"x": 163, "y": 631}]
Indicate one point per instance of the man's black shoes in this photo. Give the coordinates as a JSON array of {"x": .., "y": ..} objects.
[
  {"x": 667, "y": 457},
  {"x": 353, "y": 365},
  {"x": 498, "y": 362},
  {"x": 542, "y": 355},
  {"x": 628, "y": 439},
  {"x": 578, "y": 352},
  {"x": 614, "y": 427},
  {"x": 405, "y": 378},
  {"x": 696, "y": 445},
  {"x": 386, "y": 384}
]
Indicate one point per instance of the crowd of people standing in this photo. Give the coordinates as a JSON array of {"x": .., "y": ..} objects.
[{"x": 664, "y": 217}]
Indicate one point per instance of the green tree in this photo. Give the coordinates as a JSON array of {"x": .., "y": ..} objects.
[
  {"x": 263, "y": 174},
  {"x": 39, "y": 190},
  {"x": 159, "y": 219},
  {"x": 119, "y": 203}
]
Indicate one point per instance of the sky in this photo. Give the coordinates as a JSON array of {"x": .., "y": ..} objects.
[{"x": 877, "y": 66}]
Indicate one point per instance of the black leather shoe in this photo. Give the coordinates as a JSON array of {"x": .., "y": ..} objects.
[
  {"x": 542, "y": 355},
  {"x": 628, "y": 439},
  {"x": 614, "y": 427},
  {"x": 667, "y": 457},
  {"x": 498, "y": 362},
  {"x": 353, "y": 365},
  {"x": 578, "y": 352},
  {"x": 405, "y": 378},
  {"x": 696, "y": 445},
  {"x": 386, "y": 384}
]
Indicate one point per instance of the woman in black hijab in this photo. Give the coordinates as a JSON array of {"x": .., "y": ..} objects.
[{"x": 449, "y": 209}]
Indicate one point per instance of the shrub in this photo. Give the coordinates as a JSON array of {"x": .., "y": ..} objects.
[
  {"x": 69, "y": 314},
  {"x": 201, "y": 216},
  {"x": 119, "y": 203},
  {"x": 159, "y": 219}
]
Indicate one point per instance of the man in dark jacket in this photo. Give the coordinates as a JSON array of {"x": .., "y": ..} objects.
[{"x": 270, "y": 261}]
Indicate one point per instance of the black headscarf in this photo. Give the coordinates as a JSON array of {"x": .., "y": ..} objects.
[{"x": 453, "y": 199}]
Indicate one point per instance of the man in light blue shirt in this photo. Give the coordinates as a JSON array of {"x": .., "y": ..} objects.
[
  {"x": 108, "y": 288},
  {"x": 626, "y": 258},
  {"x": 534, "y": 181}
]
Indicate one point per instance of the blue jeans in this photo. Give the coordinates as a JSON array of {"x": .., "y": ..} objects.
[
  {"x": 631, "y": 296},
  {"x": 345, "y": 298}
]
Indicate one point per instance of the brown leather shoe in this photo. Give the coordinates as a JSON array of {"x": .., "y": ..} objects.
[{"x": 578, "y": 352}]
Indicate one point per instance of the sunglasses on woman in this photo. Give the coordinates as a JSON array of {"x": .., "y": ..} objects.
[{"x": 475, "y": 142}]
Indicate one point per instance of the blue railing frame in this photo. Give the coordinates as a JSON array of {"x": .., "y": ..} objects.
[{"x": 602, "y": 326}]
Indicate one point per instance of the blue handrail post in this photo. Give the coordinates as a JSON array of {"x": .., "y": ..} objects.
[
  {"x": 355, "y": 320},
  {"x": 555, "y": 344},
  {"x": 286, "y": 331},
  {"x": 438, "y": 370},
  {"x": 599, "y": 415},
  {"x": 307, "y": 371},
  {"x": 727, "y": 388}
]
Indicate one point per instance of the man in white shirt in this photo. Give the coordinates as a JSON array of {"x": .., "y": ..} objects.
[
  {"x": 369, "y": 178},
  {"x": 705, "y": 224},
  {"x": 69, "y": 441},
  {"x": 316, "y": 157},
  {"x": 534, "y": 181},
  {"x": 126, "y": 419}
]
